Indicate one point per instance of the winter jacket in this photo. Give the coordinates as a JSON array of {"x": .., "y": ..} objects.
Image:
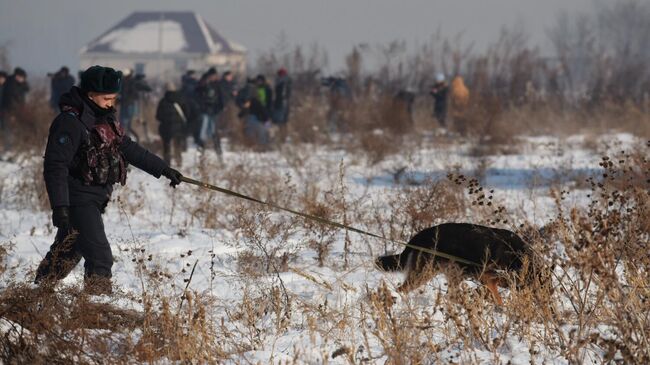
[
  {"x": 440, "y": 92},
  {"x": 59, "y": 85},
  {"x": 14, "y": 94},
  {"x": 226, "y": 90},
  {"x": 188, "y": 86},
  {"x": 209, "y": 98},
  {"x": 129, "y": 92},
  {"x": 68, "y": 132},
  {"x": 173, "y": 122},
  {"x": 282, "y": 92}
]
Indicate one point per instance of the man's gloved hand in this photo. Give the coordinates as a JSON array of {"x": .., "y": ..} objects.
[
  {"x": 61, "y": 218},
  {"x": 173, "y": 176}
]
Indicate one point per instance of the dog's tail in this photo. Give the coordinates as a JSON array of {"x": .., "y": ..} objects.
[{"x": 390, "y": 262}]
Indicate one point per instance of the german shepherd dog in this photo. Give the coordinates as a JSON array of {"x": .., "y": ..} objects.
[{"x": 490, "y": 249}]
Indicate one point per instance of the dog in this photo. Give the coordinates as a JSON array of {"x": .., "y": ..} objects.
[{"x": 489, "y": 249}]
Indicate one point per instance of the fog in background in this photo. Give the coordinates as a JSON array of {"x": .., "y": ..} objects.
[{"x": 42, "y": 35}]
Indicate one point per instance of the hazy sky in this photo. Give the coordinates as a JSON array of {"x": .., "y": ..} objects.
[{"x": 42, "y": 35}]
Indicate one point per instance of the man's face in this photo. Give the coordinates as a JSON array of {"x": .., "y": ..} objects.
[
  {"x": 104, "y": 101},
  {"x": 20, "y": 78},
  {"x": 228, "y": 77},
  {"x": 2, "y": 80}
]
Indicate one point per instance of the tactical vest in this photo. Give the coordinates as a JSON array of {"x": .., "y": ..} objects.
[{"x": 99, "y": 160}]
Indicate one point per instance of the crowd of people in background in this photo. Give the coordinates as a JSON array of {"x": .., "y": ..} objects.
[
  {"x": 204, "y": 107},
  {"x": 201, "y": 108}
]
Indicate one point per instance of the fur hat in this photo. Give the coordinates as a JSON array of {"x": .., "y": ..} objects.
[{"x": 101, "y": 79}]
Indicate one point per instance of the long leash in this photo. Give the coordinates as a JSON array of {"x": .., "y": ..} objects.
[{"x": 328, "y": 222}]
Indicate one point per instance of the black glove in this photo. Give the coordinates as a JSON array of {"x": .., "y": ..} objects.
[
  {"x": 61, "y": 218},
  {"x": 173, "y": 176}
]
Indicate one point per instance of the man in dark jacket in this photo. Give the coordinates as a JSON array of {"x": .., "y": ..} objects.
[
  {"x": 245, "y": 93},
  {"x": 173, "y": 114},
  {"x": 87, "y": 152},
  {"x": 282, "y": 95},
  {"x": 440, "y": 92},
  {"x": 256, "y": 122},
  {"x": 211, "y": 104},
  {"x": 61, "y": 82},
  {"x": 189, "y": 83},
  {"x": 15, "y": 91},
  {"x": 13, "y": 102},
  {"x": 227, "y": 88}
]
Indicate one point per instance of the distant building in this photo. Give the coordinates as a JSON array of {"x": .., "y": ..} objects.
[{"x": 164, "y": 45}]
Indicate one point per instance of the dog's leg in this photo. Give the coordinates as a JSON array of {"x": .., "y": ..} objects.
[{"x": 490, "y": 281}]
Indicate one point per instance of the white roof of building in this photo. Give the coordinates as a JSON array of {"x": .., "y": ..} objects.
[{"x": 166, "y": 32}]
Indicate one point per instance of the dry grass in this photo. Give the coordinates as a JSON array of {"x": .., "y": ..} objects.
[{"x": 595, "y": 305}]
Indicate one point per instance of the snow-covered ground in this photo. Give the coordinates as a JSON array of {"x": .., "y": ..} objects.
[{"x": 148, "y": 218}]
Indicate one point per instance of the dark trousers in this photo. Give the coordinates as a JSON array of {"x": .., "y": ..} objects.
[
  {"x": 178, "y": 143},
  {"x": 90, "y": 243},
  {"x": 440, "y": 113}
]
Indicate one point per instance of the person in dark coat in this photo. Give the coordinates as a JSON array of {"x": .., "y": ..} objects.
[
  {"x": 173, "y": 114},
  {"x": 87, "y": 152},
  {"x": 210, "y": 104},
  {"x": 282, "y": 96},
  {"x": 245, "y": 93},
  {"x": 227, "y": 88},
  {"x": 15, "y": 92},
  {"x": 440, "y": 93},
  {"x": 60, "y": 83},
  {"x": 228, "y": 114},
  {"x": 256, "y": 122},
  {"x": 189, "y": 84}
]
